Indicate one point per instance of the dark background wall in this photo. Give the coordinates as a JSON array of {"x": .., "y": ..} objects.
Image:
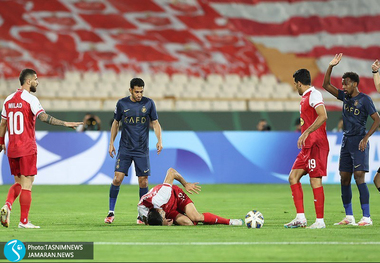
[{"x": 203, "y": 121}]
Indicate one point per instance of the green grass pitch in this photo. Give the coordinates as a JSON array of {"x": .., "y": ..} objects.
[{"x": 76, "y": 213}]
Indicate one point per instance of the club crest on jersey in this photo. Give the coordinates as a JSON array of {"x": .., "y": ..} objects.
[
  {"x": 302, "y": 121},
  {"x": 143, "y": 110},
  {"x": 356, "y": 103}
]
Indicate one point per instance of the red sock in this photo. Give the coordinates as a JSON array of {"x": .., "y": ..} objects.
[
  {"x": 25, "y": 201},
  {"x": 13, "y": 193},
  {"x": 297, "y": 194},
  {"x": 212, "y": 219},
  {"x": 319, "y": 201}
]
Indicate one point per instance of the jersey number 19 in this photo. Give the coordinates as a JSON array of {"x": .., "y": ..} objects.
[{"x": 312, "y": 163}]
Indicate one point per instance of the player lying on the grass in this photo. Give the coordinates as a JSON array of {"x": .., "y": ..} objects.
[{"x": 166, "y": 204}]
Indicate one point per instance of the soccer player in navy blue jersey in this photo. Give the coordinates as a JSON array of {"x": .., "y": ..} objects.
[
  {"x": 354, "y": 157},
  {"x": 376, "y": 80},
  {"x": 135, "y": 112}
]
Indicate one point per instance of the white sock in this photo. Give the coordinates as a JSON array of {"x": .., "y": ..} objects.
[
  {"x": 320, "y": 221},
  {"x": 301, "y": 216}
]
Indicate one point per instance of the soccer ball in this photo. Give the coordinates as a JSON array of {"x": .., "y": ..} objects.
[{"x": 254, "y": 219}]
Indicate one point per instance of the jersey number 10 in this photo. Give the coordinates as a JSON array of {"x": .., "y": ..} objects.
[{"x": 16, "y": 122}]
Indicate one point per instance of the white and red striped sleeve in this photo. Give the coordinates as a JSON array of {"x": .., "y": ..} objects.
[
  {"x": 316, "y": 99},
  {"x": 163, "y": 195},
  {"x": 34, "y": 103},
  {"x": 4, "y": 112}
]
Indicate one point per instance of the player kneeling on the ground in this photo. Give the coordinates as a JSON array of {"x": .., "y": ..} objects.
[{"x": 166, "y": 204}]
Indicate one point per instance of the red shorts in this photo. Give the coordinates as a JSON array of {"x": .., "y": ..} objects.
[
  {"x": 182, "y": 200},
  {"x": 313, "y": 160},
  {"x": 24, "y": 165}
]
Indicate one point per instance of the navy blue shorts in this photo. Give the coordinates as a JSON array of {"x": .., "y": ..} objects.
[
  {"x": 142, "y": 164},
  {"x": 351, "y": 158}
]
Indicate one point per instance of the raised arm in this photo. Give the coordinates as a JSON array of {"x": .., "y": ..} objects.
[
  {"x": 53, "y": 121},
  {"x": 157, "y": 131},
  {"x": 322, "y": 117},
  {"x": 114, "y": 131},
  {"x": 3, "y": 129},
  {"x": 172, "y": 175},
  {"x": 376, "y": 76},
  {"x": 327, "y": 80}
]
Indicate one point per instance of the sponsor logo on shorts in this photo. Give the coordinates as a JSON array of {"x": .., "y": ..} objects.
[
  {"x": 356, "y": 166},
  {"x": 145, "y": 171}
]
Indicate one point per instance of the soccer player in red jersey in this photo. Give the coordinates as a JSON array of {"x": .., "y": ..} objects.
[
  {"x": 166, "y": 204},
  {"x": 314, "y": 146},
  {"x": 19, "y": 113},
  {"x": 376, "y": 79}
]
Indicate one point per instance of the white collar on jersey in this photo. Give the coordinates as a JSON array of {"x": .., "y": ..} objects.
[{"x": 308, "y": 90}]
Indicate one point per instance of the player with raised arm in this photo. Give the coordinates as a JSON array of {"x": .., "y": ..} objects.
[
  {"x": 166, "y": 204},
  {"x": 136, "y": 112},
  {"x": 376, "y": 80},
  {"x": 354, "y": 153},
  {"x": 19, "y": 113},
  {"x": 314, "y": 146}
]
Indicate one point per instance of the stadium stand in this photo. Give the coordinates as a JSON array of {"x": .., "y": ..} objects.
[{"x": 193, "y": 55}]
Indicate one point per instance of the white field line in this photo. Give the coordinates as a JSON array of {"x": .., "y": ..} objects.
[{"x": 229, "y": 243}]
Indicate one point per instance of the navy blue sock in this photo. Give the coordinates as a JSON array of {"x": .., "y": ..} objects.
[
  {"x": 114, "y": 191},
  {"x": 346, "y": 198},
  {"x": 364, "y": 198},
  {"x": 143, "y": 191}
]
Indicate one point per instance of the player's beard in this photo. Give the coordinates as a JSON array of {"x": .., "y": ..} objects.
[
  {"x": 347, "y": 93},
  {"x": 33, "y": 88},
  {"x": 136, "y": 98}
]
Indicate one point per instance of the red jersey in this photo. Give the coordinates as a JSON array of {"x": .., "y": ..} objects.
[
  {"x": 311, "y": 99},
  {"x": 161, "y": 196},
  {"x": 20, "y": 109}
]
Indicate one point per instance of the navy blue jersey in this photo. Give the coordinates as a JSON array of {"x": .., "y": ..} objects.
[
  {"x": 135, "y": 118},
  {"x": 355, "y": 113}
]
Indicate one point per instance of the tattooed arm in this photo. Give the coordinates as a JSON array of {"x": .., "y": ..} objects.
[{"x": 53, "y": 121}]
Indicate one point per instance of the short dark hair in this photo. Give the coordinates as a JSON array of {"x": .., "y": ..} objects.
[
  {"x": 154, "y": 217},
  {"x": 24, "y": 74},
  {"x": 302, "y": 75},
  {"x": 137, "y": 82},
  {"x": 91, "y": 124},
  {"x": 352, "y": 76}
]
